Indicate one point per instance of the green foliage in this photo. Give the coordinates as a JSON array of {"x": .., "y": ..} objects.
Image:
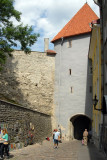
[{"x": 10, "y": 34}]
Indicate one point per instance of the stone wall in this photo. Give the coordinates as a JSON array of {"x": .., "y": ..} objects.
[
  {"x": 28, "y": 80},
  {"x": 19, "y": 120}
]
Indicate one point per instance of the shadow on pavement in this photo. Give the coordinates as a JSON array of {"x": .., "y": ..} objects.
[
  {"x": 94, "y": 153},
  {"x": 11, "y": 156}
]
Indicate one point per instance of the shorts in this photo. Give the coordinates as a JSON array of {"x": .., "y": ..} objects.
[{"x": 56, "y": 141}]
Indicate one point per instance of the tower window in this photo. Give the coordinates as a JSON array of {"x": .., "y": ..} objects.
[
  {"x": 70, "y": 71},
  {"x": 71, "y": 89}
]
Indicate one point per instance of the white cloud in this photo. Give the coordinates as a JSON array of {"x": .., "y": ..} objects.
[{"x": 48, "y": 17}]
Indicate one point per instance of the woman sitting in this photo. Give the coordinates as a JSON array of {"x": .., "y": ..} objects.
[{"x": 5, "y": 144}]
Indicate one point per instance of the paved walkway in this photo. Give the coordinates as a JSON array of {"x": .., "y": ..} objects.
[{"x": 67, "y": 151}]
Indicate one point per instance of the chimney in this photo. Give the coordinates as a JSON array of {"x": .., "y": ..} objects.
[{"x": 46, "y": 44}]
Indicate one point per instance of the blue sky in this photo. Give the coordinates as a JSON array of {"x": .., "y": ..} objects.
[{"x": 48, "y": 17}]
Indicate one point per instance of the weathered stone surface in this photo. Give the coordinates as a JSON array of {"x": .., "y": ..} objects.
[{"x": 28, "y": 80}]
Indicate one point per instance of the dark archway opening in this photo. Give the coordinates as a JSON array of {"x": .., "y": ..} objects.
[{"x": 80, "y": 123}]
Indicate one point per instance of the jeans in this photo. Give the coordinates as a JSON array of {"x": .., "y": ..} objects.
[{"x": 6, "y": 147}]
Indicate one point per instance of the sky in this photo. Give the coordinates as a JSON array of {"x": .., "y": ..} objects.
[{"x": 48, "y": 17}]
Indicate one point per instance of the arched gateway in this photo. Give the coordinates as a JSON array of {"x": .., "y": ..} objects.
[{"x": 79, "y": 123}]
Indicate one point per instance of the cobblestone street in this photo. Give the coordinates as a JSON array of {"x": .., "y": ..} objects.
[{"x": 66, "y": 151}]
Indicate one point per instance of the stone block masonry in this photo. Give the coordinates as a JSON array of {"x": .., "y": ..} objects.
[
  {"x": 18, "y": 120},
  {"x": 28, "y": 80}
]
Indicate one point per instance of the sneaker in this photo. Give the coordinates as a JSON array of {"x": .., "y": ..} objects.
[
  {"x": 55, "y": 147},
  {"x": 7, "y": 157}
]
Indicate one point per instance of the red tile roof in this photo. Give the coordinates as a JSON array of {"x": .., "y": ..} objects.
[{"x": 79, "y": 24}]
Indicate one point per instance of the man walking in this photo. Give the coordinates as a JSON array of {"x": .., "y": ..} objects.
[{"x": 56, "y": 138}]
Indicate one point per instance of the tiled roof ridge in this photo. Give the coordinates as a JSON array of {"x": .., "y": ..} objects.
[
  {"x": 67, "y": 27},
  {"x": 71, "y": 20}
]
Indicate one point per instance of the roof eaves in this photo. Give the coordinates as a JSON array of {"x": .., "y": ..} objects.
[{"x": 71, "y": 36}]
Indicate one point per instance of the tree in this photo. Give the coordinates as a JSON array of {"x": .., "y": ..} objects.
[{"x": 10, "y": 34}]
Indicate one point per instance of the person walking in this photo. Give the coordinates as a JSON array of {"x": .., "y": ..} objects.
[
  {"x": 85, "y": 137},
  {"x": 5, "y": 144},
  {"x": 53, "y": 134},
  {"x": 56, "y": 138}
]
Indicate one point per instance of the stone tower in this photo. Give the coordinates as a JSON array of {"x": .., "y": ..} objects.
[{"x": 73, "y": 78}]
